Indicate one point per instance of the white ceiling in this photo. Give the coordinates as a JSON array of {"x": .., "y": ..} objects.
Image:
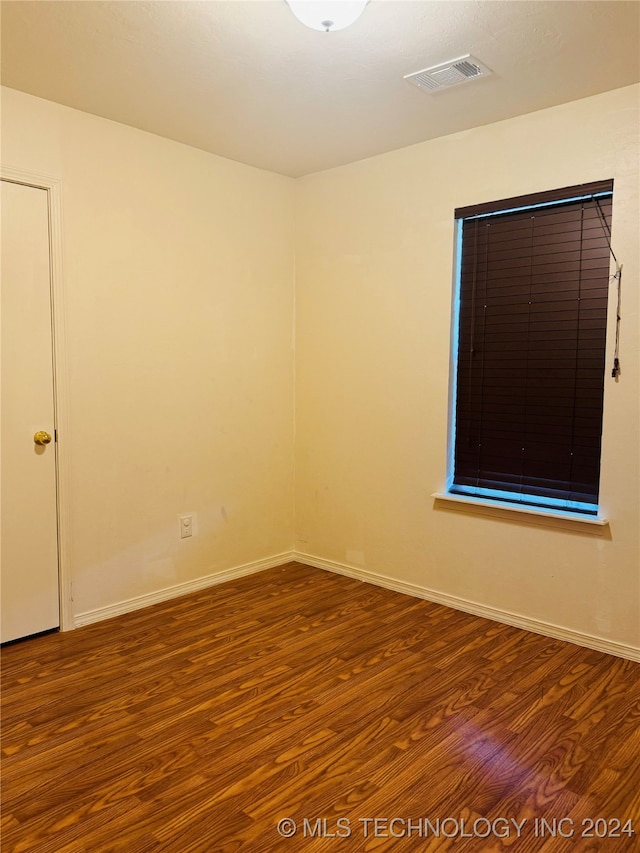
[{"x": 247, "y": 81}]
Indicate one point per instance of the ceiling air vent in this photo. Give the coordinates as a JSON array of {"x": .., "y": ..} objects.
[{"x": 448, "y": 74}]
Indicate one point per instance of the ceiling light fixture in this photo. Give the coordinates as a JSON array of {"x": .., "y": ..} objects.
[{"x": 327, "y": 15}]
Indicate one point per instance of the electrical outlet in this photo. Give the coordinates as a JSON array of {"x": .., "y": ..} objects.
[{"x": 186, "y": 526}]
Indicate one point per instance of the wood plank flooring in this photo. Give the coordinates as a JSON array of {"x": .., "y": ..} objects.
[{"x": 361, "y": 718}]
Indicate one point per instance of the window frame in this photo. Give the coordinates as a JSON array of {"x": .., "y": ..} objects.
[{"x": 482, "y": 495}]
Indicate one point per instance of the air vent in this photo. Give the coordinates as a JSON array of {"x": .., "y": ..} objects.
[{"x": 448, "y": 74}]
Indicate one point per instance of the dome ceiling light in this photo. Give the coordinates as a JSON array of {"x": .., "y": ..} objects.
[{"x": 327, "y": 15}]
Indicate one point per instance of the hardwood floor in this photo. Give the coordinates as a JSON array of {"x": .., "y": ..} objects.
[{"x": 197, "y": 725}]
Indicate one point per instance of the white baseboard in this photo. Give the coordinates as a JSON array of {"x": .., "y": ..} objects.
[
  {"x": 506, "y": 617},
  {"x": 177, "y": 590},
  {"x": 496, "y": 614}
]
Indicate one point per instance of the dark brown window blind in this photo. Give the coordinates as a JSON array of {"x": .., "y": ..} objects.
[{"x": 531, "y": 346}]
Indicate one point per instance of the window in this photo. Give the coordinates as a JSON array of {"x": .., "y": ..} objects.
[{"x": 533, "y": 281}]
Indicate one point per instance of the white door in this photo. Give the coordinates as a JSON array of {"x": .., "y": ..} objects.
[{"x": 29, "y": 548}]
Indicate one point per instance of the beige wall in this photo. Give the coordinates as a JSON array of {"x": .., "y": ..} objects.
[
  {"x": 179, "y": 302},
  {"x": 178, "y": 309},
  {"x": 373, "y": 293}
]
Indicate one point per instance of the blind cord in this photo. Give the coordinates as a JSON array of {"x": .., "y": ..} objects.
[{"x": 615, "y": 372}]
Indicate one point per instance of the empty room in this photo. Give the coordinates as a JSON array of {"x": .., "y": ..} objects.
[{"x": 320, "y": 427}]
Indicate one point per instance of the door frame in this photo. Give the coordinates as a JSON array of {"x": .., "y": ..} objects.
[{"x": 53, "y": 187}]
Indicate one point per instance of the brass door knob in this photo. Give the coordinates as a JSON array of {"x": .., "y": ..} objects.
[{"x": 42, "y": 437}]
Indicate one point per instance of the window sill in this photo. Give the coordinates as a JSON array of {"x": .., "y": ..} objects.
[{"x": 540, "y": 512}]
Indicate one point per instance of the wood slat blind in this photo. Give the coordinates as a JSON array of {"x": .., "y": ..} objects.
[{"x": 531, "y": 347}]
